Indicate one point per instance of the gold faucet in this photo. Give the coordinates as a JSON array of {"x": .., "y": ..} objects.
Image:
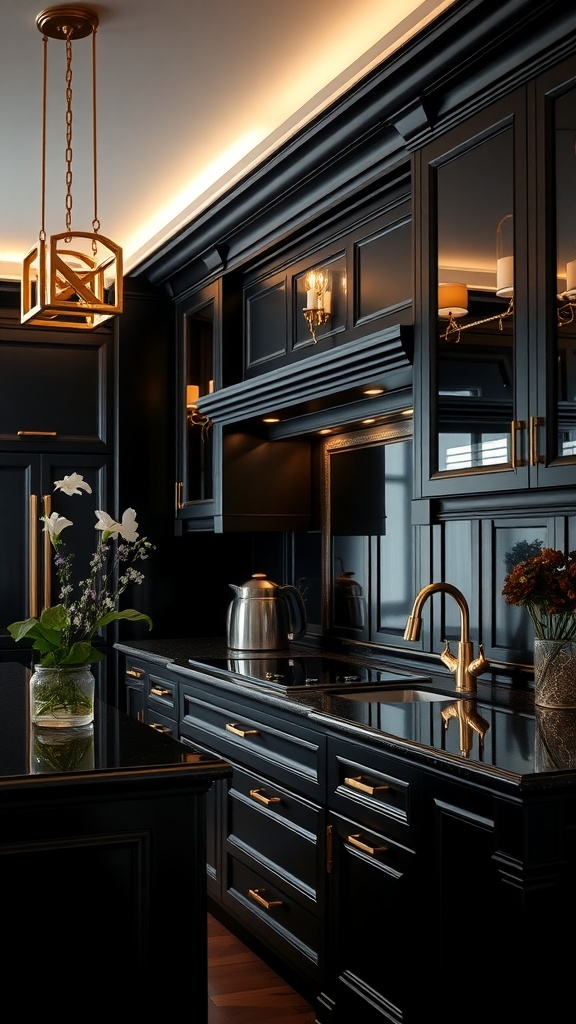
[
  {"x": 464, "y": 667},
  {"x": 469, "y": 721}
]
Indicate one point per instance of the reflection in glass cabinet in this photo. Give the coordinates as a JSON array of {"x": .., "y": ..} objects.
[
  {"x": 565, "y": 133},
  {"x": 475, "y": 367},
  {"x": 199, "y": 380}
]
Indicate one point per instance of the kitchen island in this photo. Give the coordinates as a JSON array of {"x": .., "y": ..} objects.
[
  {"x": 97, "y": 826},
  {"x": 445, "y": 828}
]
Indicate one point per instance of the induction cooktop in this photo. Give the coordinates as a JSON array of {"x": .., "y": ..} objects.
[{"x": 296, "y": 673}]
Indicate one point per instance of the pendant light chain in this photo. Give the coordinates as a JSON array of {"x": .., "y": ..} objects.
[
  {"x": 68, "y": 151},
  {"x": 95, "y": 222},
  {"x": 42, "y": 235}
]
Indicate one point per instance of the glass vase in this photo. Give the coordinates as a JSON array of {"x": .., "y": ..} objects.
[
  {"x": 555, "y": 674},
  {"x": 62, "y": 750},
  {"x": 62, "y": 697}
]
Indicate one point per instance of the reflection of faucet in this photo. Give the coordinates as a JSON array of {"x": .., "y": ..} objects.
[
  {"x": 464, "y": 668},
  {"x": 469, "y": 719}
]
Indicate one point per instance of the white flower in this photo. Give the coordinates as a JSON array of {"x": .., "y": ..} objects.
[
  {"x": 127, "y": 528},
  {"x": 54, "y": 524},
  {"x": 72, "y": 484}
]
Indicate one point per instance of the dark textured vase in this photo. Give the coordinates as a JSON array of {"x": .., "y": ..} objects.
[{"x": 554, "y": 674}]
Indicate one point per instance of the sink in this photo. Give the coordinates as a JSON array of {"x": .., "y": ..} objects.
[{"x": 407, "y": 695}]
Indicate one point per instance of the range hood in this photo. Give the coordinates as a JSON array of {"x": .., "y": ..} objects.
[{"x": 324, "y": 386}]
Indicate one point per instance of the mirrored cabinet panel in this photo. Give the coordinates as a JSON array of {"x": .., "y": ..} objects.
[
  {"x": 475, "y": 343},
  {"x": 368, "y": 536},
  {"x": 565, "y": 326}
]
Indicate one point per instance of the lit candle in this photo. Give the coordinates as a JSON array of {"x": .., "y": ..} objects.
[{"x": 192, "y": 394}]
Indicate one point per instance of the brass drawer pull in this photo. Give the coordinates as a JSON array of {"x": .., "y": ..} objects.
[
  {"x": 37, "y": 433},
  {"x": 161, "y": 728},
  {"x": 134, "y": 673},
  {"x": 365, "y": 787},
  {"x": 267, "y": 904},
  {"x": 372, "y": 850},
  {"x": 238, "y": 731},
  {"x": 260, "y": 796},
  {"x": 160, "y": 691}
]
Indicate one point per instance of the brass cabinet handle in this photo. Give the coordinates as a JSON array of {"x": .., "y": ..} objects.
[
  {"x": 160, "y": 691},
  {"x": 33, "y": 561},
  {"x": 515, "y": 427},
  {"x": 37, "y": 433},
  {"x": 47, "y": 504},
  {"x": 267, "y": 904},
  {"x": 238, "y": 731},
  {"x": 372, "y": 850},
  {"x": 134, "y": 673},
  {"x": 535, "y": 422},
  {"x": 161, "y": 728},
  {"x": 260, "y": 796},
  {"x": 178, "y": 495},
  {"x": 365, "y": 787}
]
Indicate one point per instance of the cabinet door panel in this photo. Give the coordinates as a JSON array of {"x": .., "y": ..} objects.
[
  {"x": 58, "y": 390},
  {"x": 474, "y": 377},
  {"x": 374, "y": 889},
  {"x": 27, "y": 577}
]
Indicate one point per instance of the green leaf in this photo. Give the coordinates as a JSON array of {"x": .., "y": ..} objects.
[{"x": 128, "y": 613}]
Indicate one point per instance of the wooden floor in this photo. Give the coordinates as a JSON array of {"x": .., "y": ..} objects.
[{"x": 244, "y": 990}]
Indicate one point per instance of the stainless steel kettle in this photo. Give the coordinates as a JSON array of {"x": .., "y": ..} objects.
[{"x": 264, "y": 616}]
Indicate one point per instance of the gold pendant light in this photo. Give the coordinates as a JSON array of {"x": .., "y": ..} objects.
[{"x": 72, "y": 279}]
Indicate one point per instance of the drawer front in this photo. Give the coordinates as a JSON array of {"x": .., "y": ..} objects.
[
  {"x": 275, "y": 918},
  {"x": 162, "y": 694},
  {"x": 381, "y": 791},
  {"x": 274, "y": 828},
  {"x": 167, "y": 726},
  {"x": 276, "y": 745}
]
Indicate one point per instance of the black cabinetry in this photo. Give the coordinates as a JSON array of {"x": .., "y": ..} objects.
[
  {"x": 55, "y": 419},
  {"x": 376, "y": 903},
  {"x": 273, "y": 879},
  {"x": 358, "y": 863}
]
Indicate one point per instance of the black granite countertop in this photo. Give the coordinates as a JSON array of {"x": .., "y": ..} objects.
[
  {"x": 496, "y": 732},
  {"x": 113, "y": 746}
]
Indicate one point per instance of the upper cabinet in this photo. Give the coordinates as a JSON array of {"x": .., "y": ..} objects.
[
  {"x": 498, "y": 372},
  {"x": 355, "y": 284},
  {"x": 200, "y": 327}
]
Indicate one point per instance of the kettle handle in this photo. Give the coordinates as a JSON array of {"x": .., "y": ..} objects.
[{"x": 297, "y": 611}]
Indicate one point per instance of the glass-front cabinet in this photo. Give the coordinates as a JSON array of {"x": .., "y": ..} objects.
[
  {"x": 200, "y": 327},
  {"x": 499, "y": 244}
]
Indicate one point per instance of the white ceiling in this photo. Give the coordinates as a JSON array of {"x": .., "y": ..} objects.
[{"x": 190, "y": 95}]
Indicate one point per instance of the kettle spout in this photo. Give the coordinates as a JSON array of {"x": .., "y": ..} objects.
[{"x": 236, "y": 589}]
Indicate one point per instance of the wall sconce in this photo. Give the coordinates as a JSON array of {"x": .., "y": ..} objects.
[
  {"x": 194, "y": 417},
  {"x": 318, "y": 310},
  {"x": 72, "y": 279}
]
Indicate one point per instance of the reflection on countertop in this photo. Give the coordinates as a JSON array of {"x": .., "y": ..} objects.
[
  {"x": 499, "y": 730},
  {"x": 113, "y": 745}
]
